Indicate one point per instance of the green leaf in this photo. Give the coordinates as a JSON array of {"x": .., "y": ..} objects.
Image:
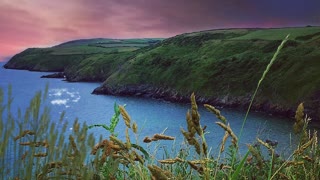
[
  {"x": 236, "y": 173},
  {"x": 115, "y": 118},
  {"x": 116, "y": 109},
  {"x": 99, "y": 125},
  {"x": 270, "y": 168},
  {"x": 145, "y": 153}
]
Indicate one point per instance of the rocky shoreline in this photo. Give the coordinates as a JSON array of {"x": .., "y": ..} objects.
[
  {"x": 168, "y": 94},
  {"x": 58, "y": 75}
]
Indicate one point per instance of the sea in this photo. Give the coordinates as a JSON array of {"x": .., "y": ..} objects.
[{"x": 151, "y": 115}]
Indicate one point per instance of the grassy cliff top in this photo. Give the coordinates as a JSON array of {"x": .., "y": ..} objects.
[{"x": 64, "y": 55}]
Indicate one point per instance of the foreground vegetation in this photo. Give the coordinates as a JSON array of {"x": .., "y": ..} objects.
[
  {"x": 33, "y": 147},
  {"x": 220, "y": 66}
]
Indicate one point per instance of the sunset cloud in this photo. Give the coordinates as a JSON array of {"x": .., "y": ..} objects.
[{"x": 34, "y": 23}]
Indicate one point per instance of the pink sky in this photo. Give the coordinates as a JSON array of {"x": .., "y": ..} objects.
[{"x": 42, "y": 23}]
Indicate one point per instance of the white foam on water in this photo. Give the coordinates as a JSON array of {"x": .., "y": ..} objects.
[
  {"x": 59, "y": 101},
  {"x": 65, "y": 96}
]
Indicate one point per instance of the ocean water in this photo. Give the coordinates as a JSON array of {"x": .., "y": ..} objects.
[{"x": 152, "y": 116}]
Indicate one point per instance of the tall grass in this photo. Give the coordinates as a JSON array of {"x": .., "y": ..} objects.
[
  {"x": 33, "y": 146},
  {"x": 260, "y": 81}
]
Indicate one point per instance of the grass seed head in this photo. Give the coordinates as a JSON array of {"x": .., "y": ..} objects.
[
  {"x": 162, "y": 137},
  {"x": 137, "y": 157},
  {"x": 195, "y": 167},
  {"x": 170, "y": 161},
  {"x": 40, "y": 155},
  {"x": 135, "y": 127},
  {"x": 128, "y": 143},
  {"x": 300, "y": 112},
  {"x": 107, "y": 152},
  {"x": 308, "y": 158},
  {"x": 125, "y": 116},
  {"x": 301, "y": 149},
  {"x": 197, "y": 146},
  {"x": 199, "y": 130},
  {"x": 294, "y": 163},
  {"x": 158, "y": 173},
  {"x": 24, "y": 155},
  {"x": 186, "y": 135},
  {"x": 216, "y": 112},
  {"x": 204, "y": 148},
  {"x": 190, "y": 124},
  {"x": 98, "y": 146},
  {"x": 24, "y": 133},
  {"x": 224, "y": 140},
  {"x": 315, "y": 139},
  {"x": 229, "y": 130},
  {"x": 268, "y": 146},
  {"x": 167, "y": 161},
  {"x": 115, "y": 147},
  {"x": 299, "y": 123},
  {"x": 194, "y": 110},
  {"x": 118, "y": 142},
  {"x": 202, "y": 161},
  {"x": 147, "y": 140},
  {"x": 179, "y": 159},
  {"x": 73, "y": 145},
  {"x": 76, "y": 126},
  {"x": 256, "y": 154}
]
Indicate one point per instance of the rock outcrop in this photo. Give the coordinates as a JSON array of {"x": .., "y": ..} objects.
[{"x": 59, "y": 75}]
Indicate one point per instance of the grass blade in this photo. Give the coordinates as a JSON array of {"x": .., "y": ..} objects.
[
  {"x": 261, "y": 79},
  {"x": 271, "y": 164},
  {"x": 236, "y": 173}
]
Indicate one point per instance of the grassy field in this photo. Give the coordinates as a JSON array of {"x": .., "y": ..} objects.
[
  {"x": 278, "y": 34},
  {"x": 94, "y": 46}
]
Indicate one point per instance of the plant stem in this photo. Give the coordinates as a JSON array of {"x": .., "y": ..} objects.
[{"x": 260, "y": 81}]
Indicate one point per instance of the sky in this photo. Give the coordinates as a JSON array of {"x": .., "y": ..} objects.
[{"x": 43, "y": 23}]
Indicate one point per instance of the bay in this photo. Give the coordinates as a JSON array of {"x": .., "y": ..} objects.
[{"x": 152, "y": 116}]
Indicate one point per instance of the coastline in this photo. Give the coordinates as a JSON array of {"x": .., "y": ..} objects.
[
  {"x": 238, "y": 103},
  {"x": 171, "y": 95}
]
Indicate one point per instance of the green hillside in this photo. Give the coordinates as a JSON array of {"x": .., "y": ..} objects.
[
  {"x": 220, "y": 66},
  {"x": 65, "y": 55},
  {"x": 224, "y": 66}
]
